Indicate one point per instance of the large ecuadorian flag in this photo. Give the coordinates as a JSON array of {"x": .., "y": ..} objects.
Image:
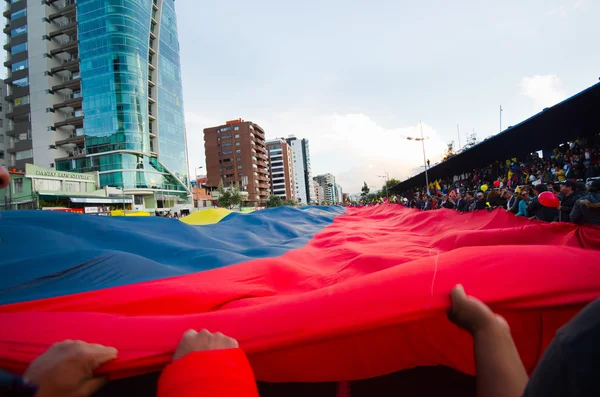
[{"x": 312, "y": 294}]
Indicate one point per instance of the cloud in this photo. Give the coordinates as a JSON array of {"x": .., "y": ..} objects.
[
  {"x": 353, "y": 147},
  {"x": 544, "y": 90},
  {"x": 580, "y": 3}
]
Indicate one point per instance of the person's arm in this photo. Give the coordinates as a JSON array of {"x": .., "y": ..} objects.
[
  {"x": 500, "y": 372},
  {"x": 211, "y": 373},
  {"x": 207, "y": 365},
  {"x": 576, "y": 215}
]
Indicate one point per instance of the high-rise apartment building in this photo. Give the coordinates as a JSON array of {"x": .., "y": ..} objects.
[
  {"x": 339, "y": 194},
  {"x": 95, "y": 85},
  {"x": 332, "y": 192},
  {"x": 3, "y": 139},
  {"x": 302, "y": 170},
  {"x": 236, "y": 153},
  {"x": 319, "y": 192},
  {"x": 281, "y": 169}
]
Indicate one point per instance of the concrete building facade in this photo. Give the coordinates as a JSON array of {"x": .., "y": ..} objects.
[
  {"x": 236, "y": 153},
  {"x": 319, "y": 192},
  {"x": 95, "y": 86},
  {"x": 305, "y": 194},
  {"x": 327, "y": 183},
  {"x": 281, "y": 170},
  {"x": 3, "y": 139}
]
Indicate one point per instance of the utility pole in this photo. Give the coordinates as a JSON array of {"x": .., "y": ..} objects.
[
  {"x": 424, "y": 160},
  {"x": 458, "y": 132},
  {"x": 500, "y": 118}
]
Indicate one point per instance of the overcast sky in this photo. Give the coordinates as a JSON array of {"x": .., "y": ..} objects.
[{"x": 352, "y": 76}]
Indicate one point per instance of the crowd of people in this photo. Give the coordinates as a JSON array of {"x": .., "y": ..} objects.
[{"x": 571, "y": 172}]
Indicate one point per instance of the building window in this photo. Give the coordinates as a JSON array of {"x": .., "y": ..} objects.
[
  {"x": 24, "y": 82},
  {"x": 238, "y": 151},
  {"x": 24, "y": 100},
  {"x": 226, "y": 137},
  {"x": 18, "y": 185},
  {"x": 18, "y": 31},
  {"x": 72, "y": 186},
  {"x": 236, "y": 128},
  {"x": 228, "y": 152},
  {"x": 24, "y": 154},
  {"x": 18, "y": 48},
  {"x": 240, "y": 167},
  {"x": 238, "y": 159},
  {"x": 237, "y": 136},
  {"x": 19, "y": 66},
  {"x": 237, "y": 144},
  {"x": 226, "y": 144},
  {"x": 18, "y": 14}
]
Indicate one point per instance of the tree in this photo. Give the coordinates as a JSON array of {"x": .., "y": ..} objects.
[
  {"x": 235, "y": 196},
  {"x": 274, "y": 201},
  {"x": 224, "y": 199},
  {"x": 290, "y": 203},
  {"x": 388, "y": 185},
  {"x": 365, "y": 190}
]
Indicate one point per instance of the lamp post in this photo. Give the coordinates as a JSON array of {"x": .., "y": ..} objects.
[
  {"x": 387, "y": 180},
  {"x": 425, "y": 161}
]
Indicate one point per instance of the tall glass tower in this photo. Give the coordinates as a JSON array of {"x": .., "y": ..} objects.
[{"x": 103, "y": 93}]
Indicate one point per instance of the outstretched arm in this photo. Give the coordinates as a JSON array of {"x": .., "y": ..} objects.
[
  {"x": 207, "y": 365},
  {"x": 500, "y": 372}
]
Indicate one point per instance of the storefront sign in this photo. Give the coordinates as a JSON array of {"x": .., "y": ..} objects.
[
  {"x": 32, "y": 171},
  {"x": 91, "y": 210}
]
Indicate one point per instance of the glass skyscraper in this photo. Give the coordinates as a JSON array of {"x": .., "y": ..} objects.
[{"x": 113, "y": 100}]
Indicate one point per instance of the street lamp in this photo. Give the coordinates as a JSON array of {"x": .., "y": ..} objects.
[
  {"x": 425, "y": 162},
  {"x": 387, "y": 180}
]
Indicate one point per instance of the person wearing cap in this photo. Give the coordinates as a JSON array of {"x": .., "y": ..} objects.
[
  {"x": 478, "y": 203},
  {"x": 570, "y": 196},
  {"x": 587, "y": 208}
]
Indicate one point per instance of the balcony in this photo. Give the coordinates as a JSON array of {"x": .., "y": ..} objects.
[
  {"x": 76, "y": 138},
  {"x": 70, "y": 101},
  {"x": 67, "y": 27},
  {"x": 71, "y": 154},
  {"x": 66, "y": 45},
  {"x": 19, "y": 110},
  {"x": 74, "y": 118},
  {"x": 72, "y": 83},
  {"x": 71, "y": 64},
  {"x": 68, "y": 10}
]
